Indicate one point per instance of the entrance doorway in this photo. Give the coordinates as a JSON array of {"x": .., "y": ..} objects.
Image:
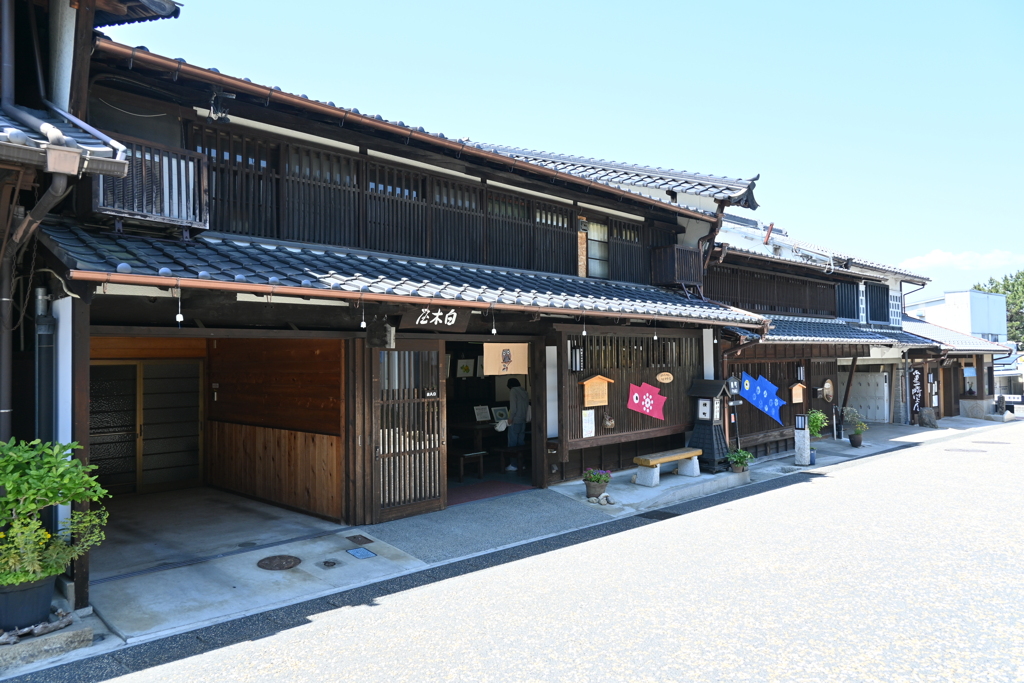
[
  {"x": 480, "y": 463},
  {"x": 145, "y": 424}
]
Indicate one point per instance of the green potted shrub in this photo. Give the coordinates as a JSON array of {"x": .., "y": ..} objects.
[
  {"x": 596, "y": 481},
  {"x": 35, "y": 476},
  {"x": 816, "y": 421},
  {"x": 857, "y": 424},
  {"x": 740, "y": 459}
]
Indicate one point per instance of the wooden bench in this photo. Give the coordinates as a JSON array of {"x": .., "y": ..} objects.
[
  {"x": 463, "y": 457},
  {"x": 649, "y": 471}
]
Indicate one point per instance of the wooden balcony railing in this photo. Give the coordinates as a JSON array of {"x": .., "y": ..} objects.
[
  {"x": 676, "y": 265},
  {"x": 163, "y": 185}
]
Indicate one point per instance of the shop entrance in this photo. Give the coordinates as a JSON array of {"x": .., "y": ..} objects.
[{"x": 480, "y": 462}]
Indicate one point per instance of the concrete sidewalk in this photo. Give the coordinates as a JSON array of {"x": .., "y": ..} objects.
[{"x": 152, "y": 605}]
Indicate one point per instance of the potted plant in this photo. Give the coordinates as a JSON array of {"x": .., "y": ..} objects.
[
  {"x": 857, "y": 424},
  {"x": 35, "y": 476},
  {"x": 816, "y": 421},
  {"x": 596, "y": 481},
  {"x": 740, "y": 459}
]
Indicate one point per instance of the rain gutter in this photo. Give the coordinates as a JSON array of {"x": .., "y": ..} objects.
[{"x": 272, "y": 290}]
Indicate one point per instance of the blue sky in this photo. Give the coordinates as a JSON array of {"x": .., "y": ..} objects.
[{"x": 887, "y": 130}]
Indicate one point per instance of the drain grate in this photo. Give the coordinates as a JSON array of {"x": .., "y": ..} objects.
[
  {"x": 658, "y": 515},
  {"x": 965, "y": 450},
  {"x": 278, "y": 562},
  {"x": 359, "y": 539}
]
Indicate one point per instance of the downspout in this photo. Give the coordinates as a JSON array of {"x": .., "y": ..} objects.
[
  {"x": 21, "y": 234},
  {"x": 122, "y": 151}
]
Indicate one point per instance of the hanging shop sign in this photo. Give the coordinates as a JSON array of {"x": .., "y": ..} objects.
[
  {"x": 763, "y": 395},
  {"x": 435, "y": 318},
  {"x": 646, "y": 399},
  {"x": 916, "y": 389},
  {"x": 595, "y": 391},
  {"x": 796, "y": 392},
  {"x": 664, "y": 377},
  {"x": 506, "y": 359}
]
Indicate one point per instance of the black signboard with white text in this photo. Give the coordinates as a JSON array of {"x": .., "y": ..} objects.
[
  {"x": 436, "y": 319},
  {"x": 916, "y": 389}
]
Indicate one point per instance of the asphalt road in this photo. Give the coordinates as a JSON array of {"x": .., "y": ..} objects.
[{"x": 901, "y": 567}]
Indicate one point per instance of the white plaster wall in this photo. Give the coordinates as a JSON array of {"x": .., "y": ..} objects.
[{"x": 61, "y": 310}]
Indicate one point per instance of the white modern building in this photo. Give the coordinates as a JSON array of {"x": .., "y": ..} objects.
[{"x": 979, "y": 314}]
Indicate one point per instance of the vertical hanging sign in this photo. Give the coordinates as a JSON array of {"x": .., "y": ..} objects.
[{"x": 916, "y": 389}]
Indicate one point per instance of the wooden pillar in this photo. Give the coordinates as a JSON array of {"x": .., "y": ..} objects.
[
  {"x": 80, "y": 427},
  {"x": 539, "y": 412},
  {"x": 849, "y": 384},
  {"x": 78, "y": 102},
  {"x": 563, "y": 403}
]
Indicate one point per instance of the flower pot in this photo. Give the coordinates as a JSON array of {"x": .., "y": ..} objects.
[
  {"x": 856, "y": 440},
  {"x": 25, "y": 604},
  {"x": 594, "y": 489},
  {"x": 739, "y": 468}
]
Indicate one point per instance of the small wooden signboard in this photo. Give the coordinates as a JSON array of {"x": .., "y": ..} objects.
[
  {"x": 595, "y": 391},
  {"x": 796, "y": 392},
  {"x": 434, "y": 317}
]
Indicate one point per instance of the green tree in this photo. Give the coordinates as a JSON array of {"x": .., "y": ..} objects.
[{"x": 1013, "y": 287}]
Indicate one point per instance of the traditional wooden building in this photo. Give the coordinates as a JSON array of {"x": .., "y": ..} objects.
[
  {"x": 836, "y": 329},
  {"x": 315, "y": 307}
]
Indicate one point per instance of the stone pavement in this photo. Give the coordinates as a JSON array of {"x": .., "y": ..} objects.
[{"x": 275, "y": 624}]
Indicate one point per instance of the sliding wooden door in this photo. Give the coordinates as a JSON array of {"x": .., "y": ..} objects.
[{"x": 409, "y": 458}]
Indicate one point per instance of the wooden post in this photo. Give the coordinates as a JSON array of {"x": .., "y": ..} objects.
[
  {"x": 539, "y": 412},
  {"x": 563, "y": 403},
  {"x": 849, "y": 386},
  {"x": 78, "y": 102}
]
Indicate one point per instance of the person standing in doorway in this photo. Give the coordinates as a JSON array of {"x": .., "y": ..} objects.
[{"x": 518, "y": 404}]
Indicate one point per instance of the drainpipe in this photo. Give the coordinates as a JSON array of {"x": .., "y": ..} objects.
[
  {"x": 45, "y": 326},
  {"x": 21, "y": 234},
  {"x": 121, "y": 150}
]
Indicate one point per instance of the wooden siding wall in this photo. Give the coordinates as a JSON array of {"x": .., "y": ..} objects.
[
  {"x": 778, "y": 363},
  {"x": 275, "y": 430},
  {"x": 137, "y": 348},
  {"x": 270, "y": 187},
  {"x": 768, "y": 292},
  {"x": 290, "y": 384},
  {"x": 626, "y": 359},
  {"x": 296, "y": 469}
]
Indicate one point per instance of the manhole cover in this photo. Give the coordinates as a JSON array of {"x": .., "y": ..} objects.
[
  {"x": 965, "y": 450},
  {"x": 276, "y": 562},
  {"x": 359, "y": 539}
]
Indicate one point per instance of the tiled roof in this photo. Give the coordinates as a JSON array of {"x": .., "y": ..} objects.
[
  {"x": 731, "y": 191},
  {"x": 951, "y": 340},
  {"x": 798, "y": 251},
  {"x": 903, "y": 338},
  {"x": 8, "y": 126},
  {"x": 137, "y": 12},
  {"x": 218, "y": 256},
  {"x": 790, "y": 329}
]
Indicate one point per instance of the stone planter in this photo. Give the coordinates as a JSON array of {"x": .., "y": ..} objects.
[
  {"x": 25, "y": 604},
  {"x": 856, "y": 440},
  {"x": 594, "y": 489}
]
